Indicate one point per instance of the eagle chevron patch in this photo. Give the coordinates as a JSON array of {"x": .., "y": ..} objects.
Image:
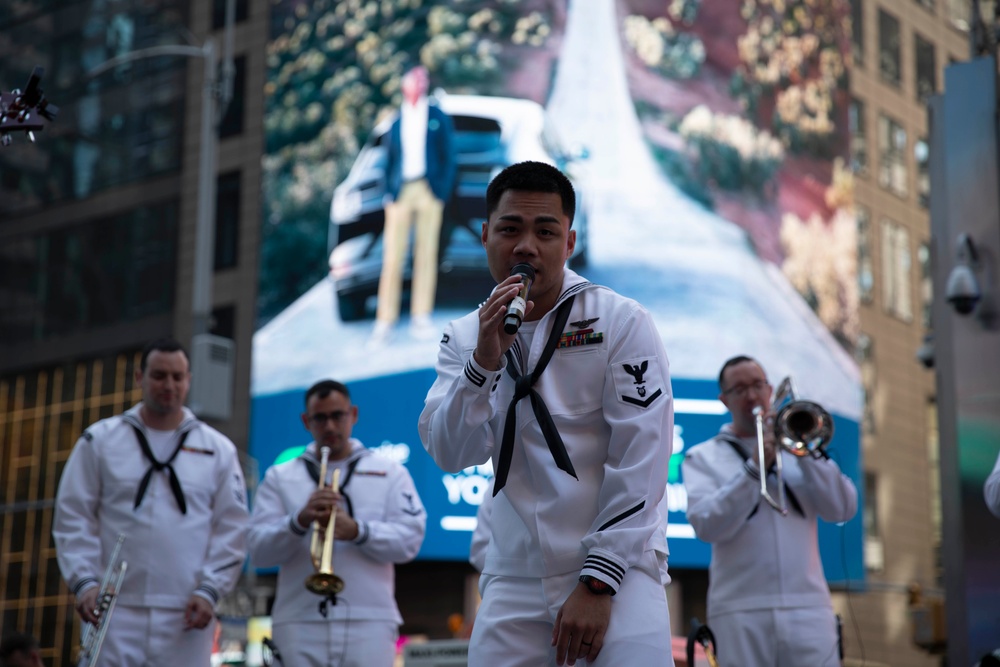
[{"x": 639, "y": 382}]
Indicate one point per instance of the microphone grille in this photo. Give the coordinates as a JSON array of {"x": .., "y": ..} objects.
[{"x": 523, "y": 269}]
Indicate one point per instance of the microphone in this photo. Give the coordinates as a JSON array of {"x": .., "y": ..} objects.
[{"x": 516, "y": 308}]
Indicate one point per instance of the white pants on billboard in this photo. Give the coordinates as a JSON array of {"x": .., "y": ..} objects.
[
  {"x": 514, "y": 624},
  {"x": 791, "y": 637},
  {"x": 347, "y": 643},
  {"x": 150, "y": 637}
]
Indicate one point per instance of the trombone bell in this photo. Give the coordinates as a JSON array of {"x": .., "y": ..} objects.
[{"x": 804, "y": 428}]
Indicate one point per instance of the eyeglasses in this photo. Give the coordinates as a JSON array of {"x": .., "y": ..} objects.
[
  {"x": 740, "y": 390},
  {"x": 321, "y": 418}
]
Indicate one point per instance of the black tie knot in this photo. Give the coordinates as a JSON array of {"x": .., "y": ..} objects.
[{"x": 522, "y": 386}]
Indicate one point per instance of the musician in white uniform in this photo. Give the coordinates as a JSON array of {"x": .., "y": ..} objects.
[
  {"x": 173, "y": 487},
  {"x": 991, "y": 490},
  {"x": 768, "y": 600},
  {"x": 573, "y": 567},
  {"x": 379, "y": 522}
]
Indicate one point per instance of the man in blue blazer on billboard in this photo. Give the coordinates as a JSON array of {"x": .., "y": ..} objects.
[{"x": 420, "y": 175}]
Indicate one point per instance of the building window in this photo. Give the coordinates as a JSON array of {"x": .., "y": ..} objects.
[
  {"x": 232, "y": 121},
  {"x": 857, "y": 32},
  {"x": 864, "y": 352},
  {"x": 926, "y": 68},
  {"x": 75, "y": 279},
  {"x": 227, "y": 221},
  {"x": 866, "y": 269},
  {"x": 896, "y": 265},
  {"x": 224, "y": 322},
  {"x": 892, "y": 156},
  {"x": 859, "y": 137},
  {"x": 888, "y": 48},
  {"x": 926, "y": 4},
  {"x": 922, "y": 155},
  {"x": 926, "y": 285},
  {"x": 874, "y": 552},
  {"x": 219, "y": 13}
]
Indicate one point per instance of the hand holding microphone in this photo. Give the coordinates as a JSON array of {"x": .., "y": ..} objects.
[{"x": 519, "y": 305}]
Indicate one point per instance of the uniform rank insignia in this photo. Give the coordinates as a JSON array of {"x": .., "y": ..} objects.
[
  {"x": 197, "y": 450},
  {"x": 581, "y": 337},
  {"x": 638, "y": 382}
]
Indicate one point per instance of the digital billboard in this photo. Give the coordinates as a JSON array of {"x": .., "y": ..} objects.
[{"x": 705, "y": 139}]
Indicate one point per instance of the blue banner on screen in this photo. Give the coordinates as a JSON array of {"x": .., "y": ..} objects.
[{"x": 388, "y": 412}]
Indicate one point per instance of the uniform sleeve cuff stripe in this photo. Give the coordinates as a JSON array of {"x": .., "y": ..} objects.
[
  {"x": 214, "y": 594},
  {"x": 363, "y": 533},
  {"x": 607, "y": 569},
  {"x": 86, "y": 582},
  {"x": 294, "y": 526},
  {"x": 474, "y": 376}
]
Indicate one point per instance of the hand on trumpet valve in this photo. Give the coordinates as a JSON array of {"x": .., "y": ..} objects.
[
  {"x": 318, "y": 507},
  {"x": 86, "y": 605}
]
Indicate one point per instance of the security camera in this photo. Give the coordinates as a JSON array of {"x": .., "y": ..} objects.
[{"x": 962, "y": 290}]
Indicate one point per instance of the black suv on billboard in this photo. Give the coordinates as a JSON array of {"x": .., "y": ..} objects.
[{"x": 490, "y": 134}]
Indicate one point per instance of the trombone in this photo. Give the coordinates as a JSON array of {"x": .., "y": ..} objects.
[
  {"x": 802, "y": 428},
  {"x": 107, "y": 597},
  {"x": 324, "y": 581}
]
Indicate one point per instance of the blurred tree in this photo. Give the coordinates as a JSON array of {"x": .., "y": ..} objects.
[{"x": 333, "y": 72}]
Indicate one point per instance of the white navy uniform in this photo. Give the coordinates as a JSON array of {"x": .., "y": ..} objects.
[
  {"x": 991, "y": 490},
  {"x": 768, "y": 599},
  {"x": 170, "y": 554},
  {"x": 607, "y": 389},
  {"x": 362, "y": 627}
]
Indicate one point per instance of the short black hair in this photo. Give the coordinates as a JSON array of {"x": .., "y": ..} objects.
[
  {"x": 739, "y": 359},
  {"x": 161, "y": 345},
  {"x": 531, "y": 177},
  {"x": 19, "y": 642},
  {"x": 324, "y": 388}
]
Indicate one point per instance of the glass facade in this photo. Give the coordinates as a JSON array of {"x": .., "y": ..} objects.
[
  {"x": 98, "y": 273},
  {"x": 42, "y": 414},
  {"x": 121, "y": 126}
]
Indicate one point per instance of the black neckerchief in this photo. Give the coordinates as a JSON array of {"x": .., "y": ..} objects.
[
  {"x": 524, "y": 386},
  {"x": 733, "y": 442},
  {"x": 175, "y": 483}
]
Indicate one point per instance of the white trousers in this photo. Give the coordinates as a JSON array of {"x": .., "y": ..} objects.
[
  {"x": 795, "y": 637},
  {"x": 150, "y": 637},
  {"x": 336, "y": 643},
  {"x": 514, "y": 624}
]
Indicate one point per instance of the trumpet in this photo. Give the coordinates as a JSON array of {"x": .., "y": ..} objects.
[
  {"x": 107, "y": 597},
  {"x": 802, "y": 428},
  {"x": 324, "y": 581}
]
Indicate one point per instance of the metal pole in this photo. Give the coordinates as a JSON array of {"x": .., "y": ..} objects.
[{"x": 204, "y": 247}]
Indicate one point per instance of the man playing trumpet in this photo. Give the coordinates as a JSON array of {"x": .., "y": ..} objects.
[
  {"x": 377, "y": 519},
  {"x": 768, "y": 600}
]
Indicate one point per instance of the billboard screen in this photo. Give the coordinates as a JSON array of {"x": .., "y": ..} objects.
[{"x": 704, "y": 138}]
